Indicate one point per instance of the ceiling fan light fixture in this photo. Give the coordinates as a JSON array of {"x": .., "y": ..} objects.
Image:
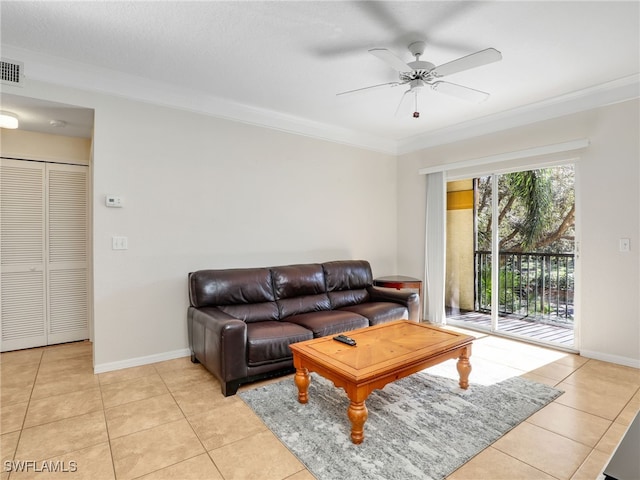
[
  {"x": 417, "y": 85},
  {"x": 419, "y": 74},
  {"x": 8, "y": 120}
]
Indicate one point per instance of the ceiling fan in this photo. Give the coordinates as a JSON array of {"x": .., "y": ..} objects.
[{"x": 420, "y": 74}]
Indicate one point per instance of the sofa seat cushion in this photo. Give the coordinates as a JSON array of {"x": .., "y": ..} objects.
[
  {"x": 329, "y": 322},
  {"x": 268, "y": 342},
  {"x": 379, "y": 312}
]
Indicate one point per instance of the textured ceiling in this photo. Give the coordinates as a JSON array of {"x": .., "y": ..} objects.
[{"x": 289, "y": 59}]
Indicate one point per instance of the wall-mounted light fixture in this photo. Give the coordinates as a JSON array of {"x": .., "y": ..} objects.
[{"x": 8, "y": 120}]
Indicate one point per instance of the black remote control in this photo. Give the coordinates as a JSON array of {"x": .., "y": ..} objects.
[{"x": 345, "y": 339}]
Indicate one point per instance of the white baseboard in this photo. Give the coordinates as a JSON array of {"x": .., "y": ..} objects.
[
  {"x": 138, "y": 361},
  {"x": 606, "y": 357}
]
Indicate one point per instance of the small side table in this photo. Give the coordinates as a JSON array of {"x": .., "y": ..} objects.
[{"x": 399, "y": 282}]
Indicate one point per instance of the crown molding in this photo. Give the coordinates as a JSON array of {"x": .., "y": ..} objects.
[
  {"x": 616, "y": 91},
  {"x": 63, "y": 72},
  {"x": 59, "y": 71}
]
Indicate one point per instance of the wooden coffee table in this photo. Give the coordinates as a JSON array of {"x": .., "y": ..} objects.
[{"x": 383, "y": 353}]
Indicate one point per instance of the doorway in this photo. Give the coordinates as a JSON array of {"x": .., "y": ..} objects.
[
  {"x": 44, "y": 212},
  {"x": 510, "y": 254}
]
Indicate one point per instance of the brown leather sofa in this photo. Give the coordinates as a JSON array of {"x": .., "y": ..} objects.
[{"x": 242, "y": 321}]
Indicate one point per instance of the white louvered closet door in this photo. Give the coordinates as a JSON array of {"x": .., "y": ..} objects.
[
  {"x": 23, "y": 299},
  {"x": 67, "y": 239},
  {"x": 44, "y": 239}
]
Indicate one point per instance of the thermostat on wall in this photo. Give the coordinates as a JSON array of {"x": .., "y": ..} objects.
[{"x": 114, "y": 201}]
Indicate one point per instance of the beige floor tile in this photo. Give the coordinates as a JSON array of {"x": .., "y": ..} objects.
[
  {"x": 16, "y": 373},
  {"x": 231, "y": 421},
  {"x": 515, "y": 358},
  {"x": 185, "y": 378},
  {"x": 611, "y": 438},
  {"x": 555, "y": 371},
  {"x": 571, "y": 423},
  {"x": 483, "y": 371},
  {"x": 118, "y": 393},
  {"x": 630, "y": 411},
  {"x": 612, "y": 372},
  {"x": 196, "y": 468},
  {"x": 495, "y": 465},
  {"x": 12, "y": 417},
  {"x": 302, "y": 475},
  {"x": 64, "y": 366},
  {"x": 260, "y": 456},
  {"x": 8, "y": 444},
  {"x": 595, "y": 374},
  {"x": 66, "y": 382},
  {"x": 285, "y": 378},
  {"x": 150, "y": 450},
  {"x": 58, "y": 407},
  {"x": 499, "y": 342},
  {"x": 199, "y": 399},
  {"x": 150, "y": 437},
  {"x": 540, "y": 379},
  {"x": 142, "y": 414},
  {"x": 547, "y": 451},
  {"x": 573, "y": 360},
  {"x": 548, "y": 355},
  {"x": 592, "y": 466},
  {"x": 15, "y": 393},
  {"x": 605, "y": 400},
  {"x": 22, "y": 357},
  {"x": 473, "y": 333},
  {"x": 67, "y": 350},
  {"x": 486, "y": 372},
  {"x": 126, "y": 374},
  {"x": 176, "y": 364},
  {"x": 482, "y": 349},
  {"x": 61, "y": 437},
  {"x": 91, "y": 463}
]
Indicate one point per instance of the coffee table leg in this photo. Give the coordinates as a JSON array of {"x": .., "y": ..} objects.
[
  {"x": 302, "y": 380},
  {"x": 358, "y": 415},
  {"x": 464, "y": 367}
]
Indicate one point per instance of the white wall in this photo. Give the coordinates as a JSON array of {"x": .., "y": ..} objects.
[
  {"x": 201, "y": 192},
  {"x": 44, "y": 147},
  {"x": 206, "y": 193},
  {"x": 608, "y": 186}
]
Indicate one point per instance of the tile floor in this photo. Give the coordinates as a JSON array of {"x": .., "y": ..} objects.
[{"x": 170, "y": 421}]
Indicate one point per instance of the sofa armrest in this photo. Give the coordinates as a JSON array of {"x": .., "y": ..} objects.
[
  {"x": 411, "y": 300},
  {"x": 219, "y": 341}
]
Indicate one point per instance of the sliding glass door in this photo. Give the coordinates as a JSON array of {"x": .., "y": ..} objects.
[{"x": 513, "y": 247}]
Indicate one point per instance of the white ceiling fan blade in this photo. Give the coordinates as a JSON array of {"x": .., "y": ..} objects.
[
  {"x": 393, "y": 84},
  {"x": 483, "y": 57},
  {"x": 390, "y": 59},
  {"x": 459, "y": 91}
]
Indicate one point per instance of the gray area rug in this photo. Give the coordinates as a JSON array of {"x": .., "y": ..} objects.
[{"x": 420, "y": 427}]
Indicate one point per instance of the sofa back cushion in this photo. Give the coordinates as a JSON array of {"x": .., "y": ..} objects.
[
  {"x": 347, "y": 282},
  {"x": 299, "y": 289},
  {"x": 245, "y": 293}
]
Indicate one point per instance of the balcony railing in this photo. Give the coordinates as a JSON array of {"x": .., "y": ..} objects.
[{"x": 536, "y": 286}]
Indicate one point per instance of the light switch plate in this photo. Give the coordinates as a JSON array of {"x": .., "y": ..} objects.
[
  {"x": 119, "y": 243},
  {"x": 625, "y": 245}
]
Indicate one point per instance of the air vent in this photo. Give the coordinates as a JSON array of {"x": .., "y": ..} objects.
[{"x": 12, "y": 72}]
